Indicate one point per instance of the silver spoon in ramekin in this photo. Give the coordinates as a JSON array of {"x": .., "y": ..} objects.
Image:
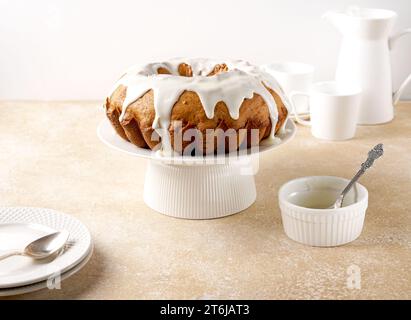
[{"x": 373, "y": 155}]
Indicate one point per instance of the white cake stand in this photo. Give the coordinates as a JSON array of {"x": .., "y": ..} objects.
[{"x": 197, "y": 187}]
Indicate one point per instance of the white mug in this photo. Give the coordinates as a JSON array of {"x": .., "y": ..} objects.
[
  {"x": 333, "y": 110},
  {"x": 293, "y": 76}
]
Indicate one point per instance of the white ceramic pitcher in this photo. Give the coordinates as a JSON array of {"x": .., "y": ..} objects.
[{"x": 364, "y": 59}]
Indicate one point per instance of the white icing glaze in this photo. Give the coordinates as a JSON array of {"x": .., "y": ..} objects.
[{"x": 240, "y": 82}]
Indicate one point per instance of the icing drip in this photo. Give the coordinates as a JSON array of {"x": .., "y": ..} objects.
[{"x": 241, "y": 81}]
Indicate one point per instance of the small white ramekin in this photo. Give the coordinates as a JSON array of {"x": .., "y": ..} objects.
[{"x": 323, "y": 227}]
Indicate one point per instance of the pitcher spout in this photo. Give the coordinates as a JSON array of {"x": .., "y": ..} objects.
[
  {"x": 362, "y": 22},
  {"x": 336, "y": 19}
]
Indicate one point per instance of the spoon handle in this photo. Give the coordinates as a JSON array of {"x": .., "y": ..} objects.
[
  {"x": 373, "y": 155},
  {"x": 10, "y": 254}
]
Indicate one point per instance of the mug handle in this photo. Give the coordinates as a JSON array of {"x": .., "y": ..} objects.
[
  {"x": 297, "y": 117},
  {"x": 391, "y": 42}
]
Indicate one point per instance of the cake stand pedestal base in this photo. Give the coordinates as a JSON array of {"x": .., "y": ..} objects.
[
  {"x": 199, "y": 191},
  {"x": 197, "y": 187}
]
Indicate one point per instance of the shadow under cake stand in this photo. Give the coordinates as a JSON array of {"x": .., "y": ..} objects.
[{"x": 197, "y": 187}]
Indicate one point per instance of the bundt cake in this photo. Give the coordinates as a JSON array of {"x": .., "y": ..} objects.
[{"x": 199, "y": 106}]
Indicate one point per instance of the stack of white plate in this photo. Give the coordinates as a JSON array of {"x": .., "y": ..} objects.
[{"x": 21, "y": 225}]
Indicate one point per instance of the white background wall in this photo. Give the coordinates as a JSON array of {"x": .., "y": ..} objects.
[{"x": 56, "y": 49}]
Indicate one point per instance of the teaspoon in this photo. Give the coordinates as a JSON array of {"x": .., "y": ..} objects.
[
  {"x": 373, "y": 154},
  {"x": 43, "y": 247}
]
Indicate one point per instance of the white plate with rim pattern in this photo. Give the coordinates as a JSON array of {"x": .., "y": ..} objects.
[{"x": 21, "y": 225}]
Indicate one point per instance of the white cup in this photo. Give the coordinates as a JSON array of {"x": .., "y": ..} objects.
[
  {"x": 293, "y": 76},
  {"x": 334, "y": 110}
]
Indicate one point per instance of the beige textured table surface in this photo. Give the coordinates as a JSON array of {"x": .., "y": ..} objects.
[{"x": 51, "y": 157}]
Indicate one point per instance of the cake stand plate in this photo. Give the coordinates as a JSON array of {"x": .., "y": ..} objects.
[{"x": 197, "y": 187}]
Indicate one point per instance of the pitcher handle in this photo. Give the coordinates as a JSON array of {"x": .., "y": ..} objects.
[
  {"x": 397, "y": 94},
  {"x": 391, "y": 42},
  {"x": 393, "y": 39}
]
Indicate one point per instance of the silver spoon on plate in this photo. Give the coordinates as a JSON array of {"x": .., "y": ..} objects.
[
  {"x": 43, "y": 247},
  {"x": 373, "y": 155}
]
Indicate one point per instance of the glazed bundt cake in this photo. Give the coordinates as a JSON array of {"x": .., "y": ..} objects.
[{"x": 199, "y": 106}]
